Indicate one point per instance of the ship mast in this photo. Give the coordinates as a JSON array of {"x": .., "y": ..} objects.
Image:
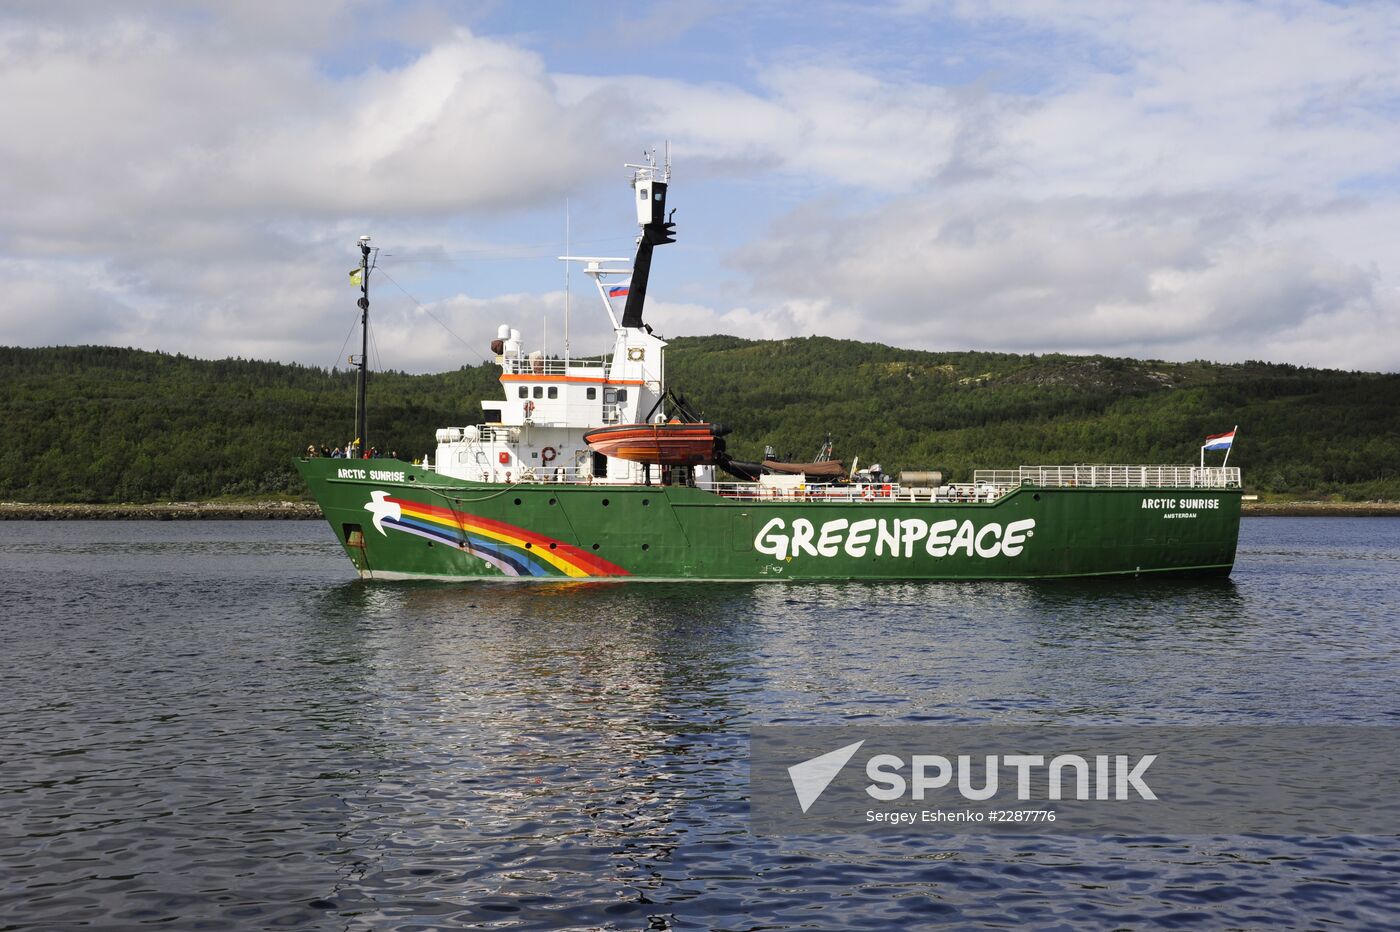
[
  {"x": 650, "y": 184},
  {"x": 361, "y": 443}
]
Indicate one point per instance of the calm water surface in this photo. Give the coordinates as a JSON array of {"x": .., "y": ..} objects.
[{"x": 213, "y": 725}]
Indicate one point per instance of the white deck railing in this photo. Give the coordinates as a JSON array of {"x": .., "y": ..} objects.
[
  {"x": 524, "y": 365},
  {"x": 487, "y": 433},
  {"x": 860, "y": 492},
  {"x": 988, "y": 485},
  {"x": 1117, "y": 477},
  {"x": 558, "y": 475}
]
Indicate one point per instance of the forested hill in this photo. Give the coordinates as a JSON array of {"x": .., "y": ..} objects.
[{"x": 96, "y": 424}]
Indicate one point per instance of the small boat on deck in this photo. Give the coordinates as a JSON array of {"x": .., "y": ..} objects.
[{"x": 673, "y": 444}]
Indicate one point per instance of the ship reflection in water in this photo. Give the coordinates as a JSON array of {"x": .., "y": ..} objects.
[{"x": 250, "y": 740}]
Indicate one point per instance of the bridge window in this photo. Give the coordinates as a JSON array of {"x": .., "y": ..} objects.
[
  {"x": 539, "y": 391},
  {"x": 524, "y": 392},
  {"x": 553, "y": 391},
  {"x": 592, "y": 394}
]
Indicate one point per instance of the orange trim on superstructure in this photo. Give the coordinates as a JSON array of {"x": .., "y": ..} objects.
[{"x": 569, "y": 378}]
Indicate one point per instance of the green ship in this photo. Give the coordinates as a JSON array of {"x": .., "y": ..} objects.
[{"x": 592, "y": 468}]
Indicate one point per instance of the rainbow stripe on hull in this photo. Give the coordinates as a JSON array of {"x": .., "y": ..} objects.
[{"x": 512, "y": 550}]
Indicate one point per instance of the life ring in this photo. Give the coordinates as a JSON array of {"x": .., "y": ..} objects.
[
  {"x": 548, "y": 454},
  {"x": 503, "y": 458}
]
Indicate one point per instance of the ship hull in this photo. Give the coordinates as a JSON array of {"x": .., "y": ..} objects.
[{"x": 397, "y": 521}]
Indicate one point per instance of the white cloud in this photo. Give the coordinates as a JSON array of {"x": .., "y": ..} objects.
[
  {"x": 48, "y": 304},
  {"x": 1193, "y": 179},
  {"x": 1081, "y": 274},
  {"x": 207, "y": 190},
  {"x": 830, "y": 123},
  {"x": 1192, "y": 188},
  {"x": 139, "y": 118}
]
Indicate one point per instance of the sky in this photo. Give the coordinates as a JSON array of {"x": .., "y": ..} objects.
[{"x": 1174, "y": 180}]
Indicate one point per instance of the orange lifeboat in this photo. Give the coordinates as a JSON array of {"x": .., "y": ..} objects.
[{"x": 673, "y": 444}]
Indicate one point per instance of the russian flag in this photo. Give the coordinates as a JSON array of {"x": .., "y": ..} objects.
[
  {"x": 1219, "y": 441},
  {"x": 618, "y": 291}
]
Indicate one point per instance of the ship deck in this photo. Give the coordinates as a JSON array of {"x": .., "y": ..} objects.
[{"x": 987, "y": 485}]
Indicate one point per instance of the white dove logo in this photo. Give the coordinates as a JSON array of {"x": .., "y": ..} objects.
[{"x": 382, "y": 509}]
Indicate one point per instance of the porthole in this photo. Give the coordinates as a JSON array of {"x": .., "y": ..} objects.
[
  {"x": 517, "y": 501},
  {"x": 529, "y": 546},
  {"x": 554, "y": 501},
  {"x": 1037, "y": 496},
  {"x": 605, "y": 503},
  {"x": 646, "y": 501},
  {"x": 595, "y": 546},
  {"x": 646, "y": 546},
  {"x": 553, "y": 546}
]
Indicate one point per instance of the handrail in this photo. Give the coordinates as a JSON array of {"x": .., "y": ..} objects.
[
  {"x": 1114, "y": 477},
  {"x": 869, "y": 492},
  {"x": 553, "y": 475},
  {"x": 524, "y": 365}
]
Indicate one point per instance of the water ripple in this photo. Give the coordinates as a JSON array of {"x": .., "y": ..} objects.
[{"x": 210, "y": 725}]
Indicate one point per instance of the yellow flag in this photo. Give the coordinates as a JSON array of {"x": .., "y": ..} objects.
[{"x": 357, "y": 276}]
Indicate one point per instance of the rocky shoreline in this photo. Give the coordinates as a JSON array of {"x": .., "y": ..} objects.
[
  {"x": 306, "y": 511},
  {"x": 1321, "y": 509},
  {"x": 163, "y": 511}
]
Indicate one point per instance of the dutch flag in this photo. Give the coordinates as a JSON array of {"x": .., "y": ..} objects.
[{"x": 1219, "y": 441}]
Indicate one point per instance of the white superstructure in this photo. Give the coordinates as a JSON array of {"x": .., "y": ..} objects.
[{"x": 536, "y": 432}]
